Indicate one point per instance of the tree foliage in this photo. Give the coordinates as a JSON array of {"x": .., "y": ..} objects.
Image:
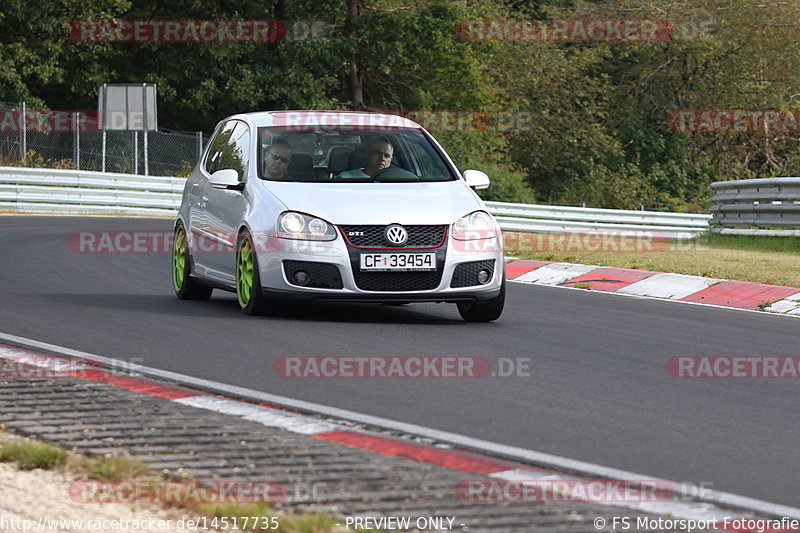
[{"x": 598, "y": 128}]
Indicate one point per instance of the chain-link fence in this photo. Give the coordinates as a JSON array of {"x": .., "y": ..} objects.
[{"x": 73, "y": 139}]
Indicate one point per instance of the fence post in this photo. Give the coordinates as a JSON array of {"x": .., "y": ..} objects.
[
  {"x": 135, "y": 152},
  {"x": 199, "y": 145},
  {"x": 24, "y": 132},
  {"x": 74, "y": 139},
  {"x": 102, "y": 124},
  {"x": 78, "y": 139},
  {"x": 144, "y": 109}
]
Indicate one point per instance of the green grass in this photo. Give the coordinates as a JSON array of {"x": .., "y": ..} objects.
[
  {"x": 114, "y": 468},
  {"x": 28, "y": 455},
  {"x": 752, "y": 243},
  {"x": 772, "y": 260}
]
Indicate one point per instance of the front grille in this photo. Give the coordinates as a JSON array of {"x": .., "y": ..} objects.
[
  {"x": 372, "y": 236},
  {"x": 321, "y": 275},
  {"x": 466, "y": 274},
  {"x": 397, "y": 281}
]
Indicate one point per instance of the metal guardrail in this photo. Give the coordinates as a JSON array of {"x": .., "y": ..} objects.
[
  {"x": 37, "y": 190},
  {"x": 556, "y": 219},
  {"x": 44, "y": 190},
  {"x": 767, "y": 206}
]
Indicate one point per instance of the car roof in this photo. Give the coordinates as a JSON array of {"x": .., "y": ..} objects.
[{"x": 325, "y": 118}]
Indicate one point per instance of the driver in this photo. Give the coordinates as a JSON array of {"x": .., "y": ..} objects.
[
  {"x": 378, "y": 156},
  {"x": 276, "y": 160}
]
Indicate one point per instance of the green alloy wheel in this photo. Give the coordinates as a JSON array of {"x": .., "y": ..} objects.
[
  {"x": 248, "y": 284},
  {"x": 186, "y": 287}
]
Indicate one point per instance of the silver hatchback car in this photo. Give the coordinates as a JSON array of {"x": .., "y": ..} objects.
[{"x": 336, "y": 206}]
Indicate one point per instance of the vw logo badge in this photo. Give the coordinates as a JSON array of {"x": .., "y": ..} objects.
[{"x": 396, "y": 235}]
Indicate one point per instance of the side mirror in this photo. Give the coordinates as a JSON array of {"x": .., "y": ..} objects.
[
  {"x": 227, "y": 178},
  {"x": 476, "y": 179}
]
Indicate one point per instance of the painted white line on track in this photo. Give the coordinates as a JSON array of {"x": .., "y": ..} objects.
[{"x": 263, "y": 415}]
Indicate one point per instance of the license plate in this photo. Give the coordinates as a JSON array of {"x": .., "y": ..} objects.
[{"x": 386, "y": 262}]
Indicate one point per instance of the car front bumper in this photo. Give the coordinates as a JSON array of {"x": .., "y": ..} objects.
[{"x": 344, "y": 257}]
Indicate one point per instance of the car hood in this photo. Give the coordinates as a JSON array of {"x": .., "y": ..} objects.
[{"x": 379, "y": 203}]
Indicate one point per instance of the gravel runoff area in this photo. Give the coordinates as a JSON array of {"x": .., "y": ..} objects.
[{"x": 38, "y": 500}]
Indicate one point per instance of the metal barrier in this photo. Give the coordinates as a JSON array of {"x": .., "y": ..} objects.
[
  {"x": 756, "y": 207},
  {"x": 556, "y": 219},
  {"x": 43, "y": 190},
  {"x": 38, "y": 190}
]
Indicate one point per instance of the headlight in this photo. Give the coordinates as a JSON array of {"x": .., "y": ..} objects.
[
  {"x": 475, "y": 226},
  {"x": 292, "y": 225}
]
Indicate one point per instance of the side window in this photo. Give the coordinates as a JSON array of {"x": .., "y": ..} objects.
[
  {"x": 217, "y": 149},
  {"x": 239, "y": 144}
]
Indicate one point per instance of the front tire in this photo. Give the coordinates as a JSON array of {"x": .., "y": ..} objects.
[
  {"x": 485, "y": 311},
  {"x": 186, "y": 287},
  {"x": 248, "y": 282}
]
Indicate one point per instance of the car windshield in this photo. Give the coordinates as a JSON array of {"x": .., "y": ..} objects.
[{"x": 399, "y": 155}]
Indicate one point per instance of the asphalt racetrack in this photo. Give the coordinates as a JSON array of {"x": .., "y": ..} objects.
[{"x": 597, "y": 389}]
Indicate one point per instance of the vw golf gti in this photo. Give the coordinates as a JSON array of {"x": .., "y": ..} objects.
[{"x": 335, "y": 206}]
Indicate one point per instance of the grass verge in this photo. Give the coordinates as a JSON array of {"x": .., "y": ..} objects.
[
  {"x": 27, "y": 455},
  {"x": 246, "y": 516},
  {"x": 772, "y": 260}
]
